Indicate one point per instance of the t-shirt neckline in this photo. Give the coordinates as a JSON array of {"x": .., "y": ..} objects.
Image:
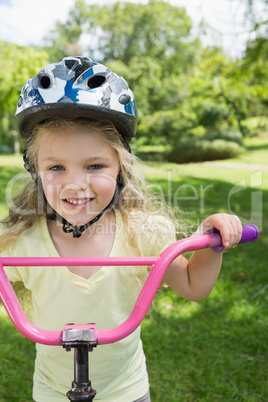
[{"x": 103, "y": 273}]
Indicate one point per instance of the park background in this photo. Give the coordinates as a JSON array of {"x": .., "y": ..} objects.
[{"x": 203, "y": 138}]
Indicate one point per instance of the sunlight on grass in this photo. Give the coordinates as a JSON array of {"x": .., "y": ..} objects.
[
  {"x": 243, "y": 309},
  {"x": 258, "y": 151},
  {"x": 168, "y": 306},
  {"x": 169, "y": 172}
]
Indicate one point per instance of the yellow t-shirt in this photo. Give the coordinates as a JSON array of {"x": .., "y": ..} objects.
[{"x": 117, "y": 371}]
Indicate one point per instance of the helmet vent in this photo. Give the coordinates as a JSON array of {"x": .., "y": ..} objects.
[
  {"x": 124, "y": 99},
  {"x": 42, "y": 80},
  {"x": 95, "y": 81},
  {"x": 20, "y": 101},
  {"x": 45, "y": 81}
]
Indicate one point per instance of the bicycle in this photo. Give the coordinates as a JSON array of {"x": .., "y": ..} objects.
[{"x": 84, "y": 337}]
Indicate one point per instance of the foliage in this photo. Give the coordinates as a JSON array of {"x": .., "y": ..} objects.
[
  {"x": 166, "y": 126},
  {"x": 123, "y": 31},
  {"x": 191, "y": 149},
  {"x": 256, "y": 13},
  {"x": 150, "y": 52},
  {"x": 17, "y": 65},
  {"x": 181, "y": 88},
  {"x": 165, "y": 66}
]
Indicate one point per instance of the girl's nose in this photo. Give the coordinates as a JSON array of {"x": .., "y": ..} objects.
[{"x": 77, "y": 181}]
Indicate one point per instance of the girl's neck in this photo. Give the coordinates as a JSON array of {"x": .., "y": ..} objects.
[
  {"x": 105, "y": 225},
  {"x": 98, "y": 238},
  {"x": 96, "y": 241}
]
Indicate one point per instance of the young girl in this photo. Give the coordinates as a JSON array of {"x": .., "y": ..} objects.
[{"x": 87, "y": 199}]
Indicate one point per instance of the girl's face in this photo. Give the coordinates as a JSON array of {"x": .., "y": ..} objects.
[{"x": 78, "y": 170}]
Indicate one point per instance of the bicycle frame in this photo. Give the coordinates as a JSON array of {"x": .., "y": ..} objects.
[{"x": 83, "y": 337}]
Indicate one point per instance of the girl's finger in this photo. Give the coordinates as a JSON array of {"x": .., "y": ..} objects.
[{"x": 237, "y": 229}]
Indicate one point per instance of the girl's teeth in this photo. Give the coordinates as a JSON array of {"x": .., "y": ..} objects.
[{"x": 78, "y": 202}]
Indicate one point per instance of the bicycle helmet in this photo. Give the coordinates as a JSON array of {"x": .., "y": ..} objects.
[{"x": 80, "y": 88}]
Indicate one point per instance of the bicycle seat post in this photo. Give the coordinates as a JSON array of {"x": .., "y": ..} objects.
[{"x": 82, "y": 338}]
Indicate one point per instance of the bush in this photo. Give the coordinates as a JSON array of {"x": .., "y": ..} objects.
[
  {"x": 166, "y": 125},
  {"x": 224, "y": 134},
  {"x": 212, "y": 114},
  {"x": 191, "y": 149}
]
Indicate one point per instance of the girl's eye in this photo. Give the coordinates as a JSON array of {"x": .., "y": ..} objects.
[
  {"x": 95, "y": 167},
  {"x": 57, "y": 168}
]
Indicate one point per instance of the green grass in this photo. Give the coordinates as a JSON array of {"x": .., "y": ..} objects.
[
  {"x": 215, "y": 350},
  {"x": 256, "y": 151},
  {"x": 17, "y": 355}
]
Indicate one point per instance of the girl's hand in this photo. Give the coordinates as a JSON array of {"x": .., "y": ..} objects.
[{"x": 229, "y": 227}]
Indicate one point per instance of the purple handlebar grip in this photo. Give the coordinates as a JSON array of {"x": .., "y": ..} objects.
[{"x": 250, "y": 233}]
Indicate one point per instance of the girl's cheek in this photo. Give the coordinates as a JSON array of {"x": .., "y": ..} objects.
[
  {"x": 46, "y": 177},
  {"x": 51, "y": 186},
  {"x": 103, "y": 184},
  {"x": 49, "y": 179},
  {"x": 52, "y": 195}
]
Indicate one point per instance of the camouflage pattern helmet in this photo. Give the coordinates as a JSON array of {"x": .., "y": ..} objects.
[{"x": 77, "y": 87}]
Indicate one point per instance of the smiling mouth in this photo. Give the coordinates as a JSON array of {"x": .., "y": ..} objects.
[{"x": 78, "y": 201}]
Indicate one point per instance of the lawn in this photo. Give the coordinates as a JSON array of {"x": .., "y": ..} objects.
[{"x": 215, "y": 350}]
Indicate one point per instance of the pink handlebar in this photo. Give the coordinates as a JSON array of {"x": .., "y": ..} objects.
[{"x": 147, "y": 294}]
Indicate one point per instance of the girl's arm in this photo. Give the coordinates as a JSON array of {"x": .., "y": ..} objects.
[{"x": 195, "y": 279}]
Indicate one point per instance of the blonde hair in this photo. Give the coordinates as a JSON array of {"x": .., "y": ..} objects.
[{"x": 135, "y": 195}]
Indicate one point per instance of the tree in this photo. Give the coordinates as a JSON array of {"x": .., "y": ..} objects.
[
  {"x": 149, "y": 44},
  {"x": 181, "y": 88},
  {"x": 122, "y": 31},
  {"x": 17, "y": 65}
]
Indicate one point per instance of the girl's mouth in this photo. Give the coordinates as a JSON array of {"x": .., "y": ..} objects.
[{"x": 77, "y": 203}]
